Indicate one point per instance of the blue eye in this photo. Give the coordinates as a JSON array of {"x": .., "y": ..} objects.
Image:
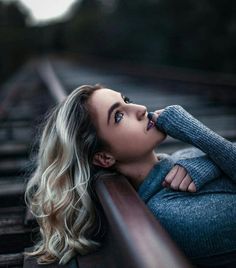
[{"x": 118, "y": 117}]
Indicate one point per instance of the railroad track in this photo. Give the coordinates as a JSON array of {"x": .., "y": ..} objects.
[
  {"x": 38, "y": 86},
  {"x": 24, "y": 100}
]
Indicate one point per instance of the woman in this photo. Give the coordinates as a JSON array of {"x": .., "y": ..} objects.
[{"x": 97, "y": 131}]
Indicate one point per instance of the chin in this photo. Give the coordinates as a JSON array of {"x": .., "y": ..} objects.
[
  {"x": 164, "y": 136},
  {"x": 161, "y": 138}
]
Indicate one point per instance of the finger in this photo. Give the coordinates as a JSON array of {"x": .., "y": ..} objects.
[
  {"x": 158, "y": 112},
  {"x": 154, "y": 115},
  {"x": 170, "y": 176},
  {"x": 165, "y": 184},
  {"x": 179, "y": 176},
  {"x": 185, "y": 183},
  {"x": 192, "y": 187}
]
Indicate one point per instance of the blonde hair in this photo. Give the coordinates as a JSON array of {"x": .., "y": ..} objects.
[{"x": 60, "y": 194}]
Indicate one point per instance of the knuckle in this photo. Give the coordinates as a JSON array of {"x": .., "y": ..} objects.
[
  {"x": 192, "y": 187},
  {"x": 168, "y": 178},
  {"x": 174, "y": 186},
  {"x": 189, "y": 178},
  {"x": 182, "y": 188},
  {"x": 184, "y": 184}
]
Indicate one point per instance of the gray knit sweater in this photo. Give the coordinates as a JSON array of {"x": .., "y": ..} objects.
[{"x": 202, "y": 223}]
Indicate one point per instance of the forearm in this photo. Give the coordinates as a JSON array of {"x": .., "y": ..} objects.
[{"x": 179, "y": 124}]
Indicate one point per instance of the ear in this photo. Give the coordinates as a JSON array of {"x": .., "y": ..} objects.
[{"x": 103, "y": 159}]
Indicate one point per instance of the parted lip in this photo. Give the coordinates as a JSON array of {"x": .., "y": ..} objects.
[{"x": 150, "y": 124}]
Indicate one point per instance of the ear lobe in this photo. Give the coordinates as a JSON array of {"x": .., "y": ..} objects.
[{"x": 103, "y": 159}]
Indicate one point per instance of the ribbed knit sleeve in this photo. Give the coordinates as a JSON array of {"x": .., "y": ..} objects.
[
  {"x": 179, "y": 124},
  {"x": 201, "y": 169},
  {"x": 198, "y": 165}
]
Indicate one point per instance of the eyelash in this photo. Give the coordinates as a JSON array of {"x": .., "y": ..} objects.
[
  {"x": 118, "y": 115},
  {"x": 126, "y": 99}
]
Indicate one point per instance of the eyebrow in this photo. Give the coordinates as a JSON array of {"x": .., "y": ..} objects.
[{"x": 111, "y": 109}]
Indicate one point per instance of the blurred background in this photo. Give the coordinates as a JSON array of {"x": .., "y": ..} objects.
[
  {"x": 157, "y": 52},
  {"x": 185, "y": 34}
]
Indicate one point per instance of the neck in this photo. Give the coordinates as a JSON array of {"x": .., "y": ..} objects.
[{"x": 136, "y": 171}]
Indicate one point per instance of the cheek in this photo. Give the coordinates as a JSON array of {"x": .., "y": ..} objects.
[
  {"x": 130, "y": 144},
  {"x": 131, "y": 140}
]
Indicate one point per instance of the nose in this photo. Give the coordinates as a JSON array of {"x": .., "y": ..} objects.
[{"x": 141, "y": 111}]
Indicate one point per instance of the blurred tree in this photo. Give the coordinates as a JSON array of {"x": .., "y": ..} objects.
[
  {"x": 11, "y": 15},
  {"x": 83, "y": 30},
  {"x": 188, "y": 33},
  {"x": 184, "y": 33},
  {"x": 13, "y": 42}
]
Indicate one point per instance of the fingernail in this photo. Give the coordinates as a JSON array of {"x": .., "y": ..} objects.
[{"x": 150, "y": 115}]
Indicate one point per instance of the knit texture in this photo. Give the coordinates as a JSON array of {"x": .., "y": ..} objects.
[
  {"x": 179, "y": 124},
  {"x": 200, "y": 169},
  {"x": 203, "y": 223}
]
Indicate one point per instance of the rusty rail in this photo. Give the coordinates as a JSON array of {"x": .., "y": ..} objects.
[
  {"x": 140, "y": 239},
  {"x": 52, "y": 82}
]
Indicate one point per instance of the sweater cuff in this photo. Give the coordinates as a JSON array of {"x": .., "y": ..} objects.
[
  {"x": 179, "y": 124},
  {"x": 201, "y": 169}
]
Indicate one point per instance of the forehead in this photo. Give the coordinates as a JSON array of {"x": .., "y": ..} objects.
[
  {"x": 105, "y": 94},
  {"x": 103, "y": 99},
  {"x": 99, "y": 103}
]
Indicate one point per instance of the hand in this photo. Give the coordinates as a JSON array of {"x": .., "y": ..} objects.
[
  {"x": 154, "y": 115},
  {"x": 158, "y": 112},
  {"x": 178, "y": 179}
]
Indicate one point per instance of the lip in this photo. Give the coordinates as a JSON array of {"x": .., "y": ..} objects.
[{"x": 150, "y": 125}]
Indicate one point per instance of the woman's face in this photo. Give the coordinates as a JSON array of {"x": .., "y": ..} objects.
[{"x": 123, "y": 125}]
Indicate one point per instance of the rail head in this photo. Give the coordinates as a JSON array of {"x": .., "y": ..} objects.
[
  {"x": 142, "y": 240},
  {"x": 49, "y": 77}
]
